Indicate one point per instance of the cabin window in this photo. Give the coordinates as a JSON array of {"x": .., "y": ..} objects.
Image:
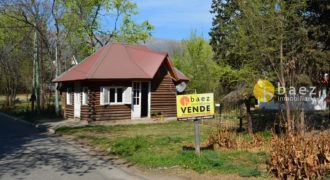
[
  {"x": 111, "y": 95},
  {"x": 85, "y": 96},
  {"x": 68, "y": 96},
  {"x": 105, "y": 95},
  {"x": 136, "y": 93},
  {"x": 119, "y": 95}
]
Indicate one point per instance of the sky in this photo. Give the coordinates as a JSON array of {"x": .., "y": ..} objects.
[{"x": 175, "y": 19}]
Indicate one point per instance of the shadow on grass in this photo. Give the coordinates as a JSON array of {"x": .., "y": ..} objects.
[{"x": 191, "y": 148}]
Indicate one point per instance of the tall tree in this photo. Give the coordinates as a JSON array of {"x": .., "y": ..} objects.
[
  {"x": 74, "y": 28},
  {"x": 35, "y": 15},
  {"x": 55, "y": 11},
  {"x": 235, "y": 49},
  {"x": 88, "y": 29},
  {"x": 13, "y": 46},
  {"x": 317, "y": 19},
  {"x": 196, "y": 62},
  {"x": 272, "y": 35}
]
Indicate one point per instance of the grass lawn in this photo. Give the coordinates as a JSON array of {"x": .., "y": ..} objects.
[{"x": 162, "y": 145}]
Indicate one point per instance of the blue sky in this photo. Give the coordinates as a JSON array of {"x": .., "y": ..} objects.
[{"x": 174, "y": 19}]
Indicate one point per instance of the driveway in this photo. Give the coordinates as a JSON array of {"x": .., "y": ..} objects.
[{"x": 26, "y": 153}]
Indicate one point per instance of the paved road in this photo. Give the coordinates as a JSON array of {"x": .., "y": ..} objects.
[{"x": 26, "y": 153}]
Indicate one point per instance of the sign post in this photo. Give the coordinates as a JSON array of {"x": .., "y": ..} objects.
[
  {"x": 197, "y": 147},
  {"x": 195, "y": 107}
]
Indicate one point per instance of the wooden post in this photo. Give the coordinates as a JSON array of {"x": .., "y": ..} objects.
[
  {"x": 197, "y": 147},
  {"x": 241, "y": 118}
]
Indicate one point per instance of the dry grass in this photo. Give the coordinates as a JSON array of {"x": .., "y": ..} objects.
[
  {"x": 294, "y": 155},
  {"x": 20, "y": 97}
]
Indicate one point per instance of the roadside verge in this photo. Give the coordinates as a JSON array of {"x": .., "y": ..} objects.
[{"x": 39, "y": 127}]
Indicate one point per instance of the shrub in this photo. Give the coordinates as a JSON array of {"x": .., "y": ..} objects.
[
  {"x": 223, "y": 138},
  {"x": 231, "y": 140},
  {"x": 300, "y": 157}
]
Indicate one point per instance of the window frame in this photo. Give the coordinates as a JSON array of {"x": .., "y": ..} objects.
[
  {"x": 85, "y": 96},
  {"x": 68, "y": 96},
  {"x": 102, "y": 102}
]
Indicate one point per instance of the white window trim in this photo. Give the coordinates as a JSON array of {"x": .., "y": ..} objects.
[
  {"x": 68, "y": 96},
  {"x": 84, "y": 97},
  {"x": 111, "y": 103}
]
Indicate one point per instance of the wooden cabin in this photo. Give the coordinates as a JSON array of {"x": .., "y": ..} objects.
[{"x": 120, "y": 81}]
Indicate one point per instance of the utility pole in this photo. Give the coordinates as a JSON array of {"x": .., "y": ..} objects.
[
  {"x": 56, "y": 84},
  {"x": 54, "y": 13},
  {"x": 33, "y": 96},
  {"x": 36, "y": 73}
]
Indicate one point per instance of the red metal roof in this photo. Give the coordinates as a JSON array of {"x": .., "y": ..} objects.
[
  {"x": 181, "y": 76},
  {"x": 119, "y": 61}
]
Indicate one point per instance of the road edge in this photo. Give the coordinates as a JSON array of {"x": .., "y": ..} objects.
[{"x": 40, "y": 127}]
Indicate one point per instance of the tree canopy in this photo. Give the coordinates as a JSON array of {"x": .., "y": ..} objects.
[
  {"x": 196, "y": 62},
  {"x": 274, "y": 40},
  {"x": 66, "y": 30}
]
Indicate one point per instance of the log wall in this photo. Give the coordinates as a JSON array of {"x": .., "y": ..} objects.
[
  {"x": 94, "y": 111},
  {"x": 163, "y": 94},
  {"x": 106, "y": 112},
  {"x": 163, "y": 99}
]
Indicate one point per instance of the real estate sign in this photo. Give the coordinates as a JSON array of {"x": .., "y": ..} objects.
[{"x": 195, "y": 106}]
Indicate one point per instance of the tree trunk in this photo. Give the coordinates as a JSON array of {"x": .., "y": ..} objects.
[
  {"x": 286, "y": 100},
  {"x": 33, "y": 95},
  {"x": 302, "y": 121},
  {"x": 42, "y": 82},
  {"x": 58, "y": 65},
  {"x": 287, "y": 111},
  {"x": 248, "y": 115},
  {"x": 7, "y": 100}
]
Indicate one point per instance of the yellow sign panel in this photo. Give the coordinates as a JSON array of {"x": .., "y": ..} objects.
[{"x": 195, "y": 106}]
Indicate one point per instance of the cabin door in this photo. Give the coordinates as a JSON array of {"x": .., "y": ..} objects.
[
  {"x": 136, "y": 100},
  {"x": 77, "y": 101},
  {"x": 145, "y": 88}
]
